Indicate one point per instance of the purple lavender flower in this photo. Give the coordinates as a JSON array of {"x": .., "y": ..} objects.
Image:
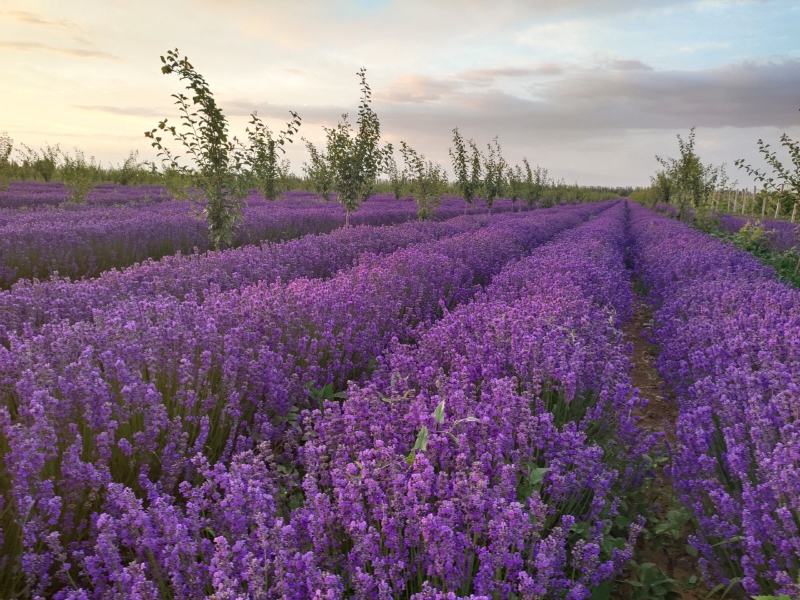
[{"x": 730, "y": 348}]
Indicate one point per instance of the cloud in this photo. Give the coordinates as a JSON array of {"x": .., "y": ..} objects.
[
  {"x": 70, "y": 51},
  {"x": 629, "y": 65},
  {"x": 417, "y": 88},
  {"x": 582, "y": 103},
  {"x": 747, "y": 94},
  {"x": 632, "y": 97},
  {"x": 487, "y": 76},
  {"x": 30, "y": 18},
  {"x": 386, "y": 26},
  {"x": 233, "y": 108},
  {"x": 591, "y": 111},
  {"x": 125, "y": 111},
  {"x": 585, "y": 7},
  {"x": 573, "y": 38},
  {"x": 628, "y": 96}
]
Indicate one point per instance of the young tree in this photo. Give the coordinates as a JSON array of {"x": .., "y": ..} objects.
[
  {"x": 494, "y": 168},
  {"x": 79, "y": 175},
  {"x": 783, "y": 182},
  {"x": 262, "y": 155},
  {"x": 475, "y": 176},
  {"x": 283, "y": 181},
  {"x": 535, "y": 183},
  {"x": 42, "y": 164},
  {"x": 131, "y": 171},
  {"x": 397, "y": 177},
  {"x": 516, "y": 184},
  {"x": 467, "y": 170},
  {"x": 216, "y": 164},
  {"x": 355, "y": 156},
  {"x": 318, "y": 171},
  {"x": 557, "y": 192},
  {"x": 664, "y": 184},
  {"x": 693, "y": 181},
  {"x": 6, "y": 146},
  {"x": 426, "y": 179}
]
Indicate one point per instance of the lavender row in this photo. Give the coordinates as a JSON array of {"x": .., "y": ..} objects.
[
  {"x": 154, "y": 394},
  {"x": 730, "y": 340},
  {"x": 31, "y": 303},
  {"x": 86, "y": 241},
  {"x": 32, "y": 194},
  {"x": 781, "y": 235}
]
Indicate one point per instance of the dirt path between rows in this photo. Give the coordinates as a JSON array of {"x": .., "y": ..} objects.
[{"x": 668, "y": 552}]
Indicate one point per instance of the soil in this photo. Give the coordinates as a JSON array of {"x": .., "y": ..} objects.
[{"x": 659, "y": 416}]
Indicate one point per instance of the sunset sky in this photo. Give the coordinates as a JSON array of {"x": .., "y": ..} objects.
[{"x": 590, "y": 89}]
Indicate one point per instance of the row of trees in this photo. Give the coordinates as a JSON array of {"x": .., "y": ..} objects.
[
  {"x": 490, "y": 176},
  {"x": 778, "y": 180},
  {"x": 693, "y": 186},
  {"x": 352, "y": 160},
  {"x": 198, "y": 158},
  {"x": 686, "y": 181},
  {"x": 348, "y": 164},
  {"x": 51, "y": 163},
  {"x": 220, "y": 167}
]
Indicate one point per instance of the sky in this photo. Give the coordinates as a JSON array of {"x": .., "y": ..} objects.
[{"x": 590, "y": 89}]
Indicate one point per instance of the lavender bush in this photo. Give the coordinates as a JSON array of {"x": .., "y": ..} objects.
[
  {"x": 781, "y": 235},
  {"x": 730, "y": 339}
]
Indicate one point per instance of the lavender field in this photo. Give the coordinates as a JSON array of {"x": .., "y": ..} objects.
[
  {"x": 400, "y": 300},
  {"x": 436, "y": 409}
]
